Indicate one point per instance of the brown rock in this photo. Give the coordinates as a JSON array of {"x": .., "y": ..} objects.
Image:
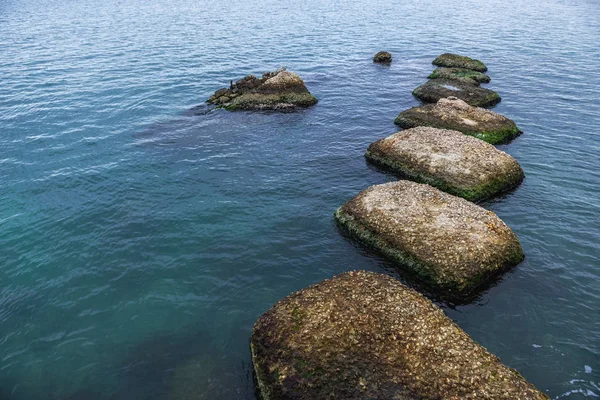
[
  {"x": 450, "y": 244},
  {"x": 436, "y": 89},
  {"x": 452, "y": 113},
  {"x": 276, "y": 90},
  {"x": 362, "y": 335},
  {"x": 449, "y": 160}
]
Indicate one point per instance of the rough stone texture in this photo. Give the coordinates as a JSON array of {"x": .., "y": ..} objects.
[
  {"x": 362, "y": 335},
  {"x": 460, "y": 74},
  {"x": 383, "y": 57},
  {"x": 452, "y": 245},
  {"x": 456, "y": 61},
  {"x": 453, "y": 162},
  {"x": 435, "y": 89},
  {"x": 452, "y": 113},
  {"x": 279, "y": 90}
]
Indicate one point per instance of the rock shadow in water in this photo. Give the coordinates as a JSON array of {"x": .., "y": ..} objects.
[{"x": 176, "y": 366}]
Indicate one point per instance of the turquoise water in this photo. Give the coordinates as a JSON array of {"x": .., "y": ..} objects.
[{"x": 140, "y": 241}]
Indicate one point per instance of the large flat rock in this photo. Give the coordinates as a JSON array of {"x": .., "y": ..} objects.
[
  {"x": 362, "y": 335},
  {"x": 435, "y": 89},
  {"x": 457, "y": 61},
  {"x": 451, "y": 245},
  {"x": 453, "y": 113},
  {"x": 449, "y": 160},
  {"x": 460, "y": 74},
  {"x": 279, "y": 90}
]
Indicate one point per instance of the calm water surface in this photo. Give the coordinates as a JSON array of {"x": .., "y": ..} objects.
[{"x": 139, "y": 242}]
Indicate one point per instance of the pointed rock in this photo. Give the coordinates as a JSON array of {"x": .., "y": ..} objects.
[{"x": 279, "y": 90}]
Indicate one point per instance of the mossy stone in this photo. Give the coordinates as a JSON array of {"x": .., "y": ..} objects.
[
  {"x": 278, "y": 90},
  {"x": 436, "y": 89},
  {"x": 452, "y": 245},
  {"x": 449, "y": 160},
  {"x": 364, "y": 335},
  {"x": 383, "y": 57},
  {"x": 460, "y": 74},
  {"x": 455, "y": 114},
  {"x": 457, "y": 61}
]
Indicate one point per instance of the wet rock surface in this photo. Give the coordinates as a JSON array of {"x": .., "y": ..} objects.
[
  {"x": 449, "y": 160},
  {"x": 383, "y": 57},
  {"x": 362, "y": 335},
  {"x": 436, "y": 89},
  {"x": 455, "y": 114},
  {"x": 457, "y": 61},
  {"x": 451, "y": 245},
  {"x": 279, "y": 90},
  {"x": 460, "y": 74}
]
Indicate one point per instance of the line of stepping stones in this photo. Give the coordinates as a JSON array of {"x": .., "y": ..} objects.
[
  {"x": 363, "y": 335},
  {"x": 428, "y": 225}
]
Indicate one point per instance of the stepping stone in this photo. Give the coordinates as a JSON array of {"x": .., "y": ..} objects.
[
  {"x": 279, "y": 90},
  {"x": 435, "y": 89},
  {"x": 452, "y": 113},
  {"x": 451, "y": 245},
  {"x": 449, "y": 160},
  {"x": 456, "y": 61},
  {"x": 383, "y": 57},
  {"x": 460, "y": 74},
  {"x": 362, "y": 335}
]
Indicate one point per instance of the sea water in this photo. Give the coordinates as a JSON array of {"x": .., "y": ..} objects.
[{"x": 140, "y": 241}]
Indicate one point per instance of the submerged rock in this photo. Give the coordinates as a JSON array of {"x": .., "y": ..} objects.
[
  {"x": 435, "y": 89},
  {"x": 449, "y": 160},
  {"x": 456, "y": 61},
  {"x": 194, "y": 379},
  {"x": 450, "y": 244},
  {"x": 279, "y": 90},
  {"x": 455, "y": 114},
  {"x": 362, "y": 335},
  {"x": 460, "y": 74},
  {"x": 383, "y": 57}
]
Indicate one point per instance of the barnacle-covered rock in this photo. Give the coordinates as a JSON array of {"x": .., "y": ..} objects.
[
  {"x": 449, "y": 160},
  {"x": 435, "y": 89},
  {"x": 452, "y": 113},
  {"x": 455, "y": 61},
  {"x": 362, "y": 335},
  {"x": 279, "y": 90},
  {"x": 383, "y": 57},
  {"x": 460, "y": 74},
  {"x": 451, "y": 245}
]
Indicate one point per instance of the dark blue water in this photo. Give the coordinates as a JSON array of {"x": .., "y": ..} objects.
[{"x": 140, "y": 242}]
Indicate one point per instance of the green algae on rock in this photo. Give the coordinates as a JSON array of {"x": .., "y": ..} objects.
[
  {"x": 451, "y": 245},
  {"x": 362, "y": 335},
  {"x": 449, "y": 160},
  {"x": 455, "y": 114},
  {"x": 383, "y": 57},
  {"x": 279, "y": 90},
  {"x": 460, "y": 74},
  {"x": 455, "y": 61},
  {"x": 435, "y": 89}
]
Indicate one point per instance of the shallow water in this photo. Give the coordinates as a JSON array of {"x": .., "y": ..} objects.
[{"x": 139, "y": 241}]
